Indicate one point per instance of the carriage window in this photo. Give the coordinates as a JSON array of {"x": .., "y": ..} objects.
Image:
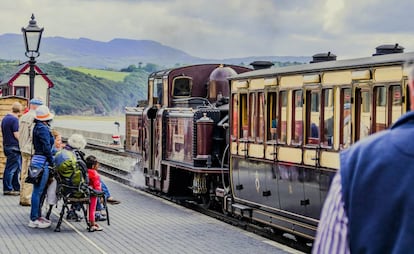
[
  {"x": 253, "y": 115},
  {"x": 243, "y": 116},
  {"x": 20, "y": 91},
  {"x": 157, "y": 93},
  {"x": 235, "y": 120},
  {"x": 261, "y": 127},
  {"x": 283, "y": 116},
  {"x": 328, "y": 119},
  {"x": 345, "y": 121},
  {"x": 380, "y": 113},
  {"x": 312, "y": 117},
  {"x": 396, "y": 104},
  {"x": 182, "y": 86},
  {"x": 297, "y": 118},
  {"x": 365, "y": 114},
  {"x": 271, "y": 116}
]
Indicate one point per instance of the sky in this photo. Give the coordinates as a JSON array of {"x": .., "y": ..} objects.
[{"x": 218, "y": 29}]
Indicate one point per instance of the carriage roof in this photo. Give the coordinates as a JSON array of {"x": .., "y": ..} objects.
[{"x": 382, "y": 60}]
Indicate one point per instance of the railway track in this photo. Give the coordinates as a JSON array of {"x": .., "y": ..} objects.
[{"x": 108, "y": 158}]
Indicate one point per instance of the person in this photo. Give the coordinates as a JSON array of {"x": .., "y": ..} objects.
[
  {"x": 70, "y": 164},
  {"x": 10, "y": 131},
  {"x": 26, "y": 125},
  {"x": 95, "y": 183},
  {"x": 369, "y": 207},
  {"x": 51, "y": 197},
  {"x": 42, "y": 142}
]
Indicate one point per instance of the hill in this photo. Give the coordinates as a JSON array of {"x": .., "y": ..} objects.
[
  {"x": 78, "y": 93},
  {"x": 117, "y": 53}
]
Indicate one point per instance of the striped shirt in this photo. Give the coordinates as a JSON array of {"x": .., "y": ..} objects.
[{"x": 332, "y": 234}]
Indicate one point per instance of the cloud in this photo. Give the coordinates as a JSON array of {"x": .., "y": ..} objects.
[{"x": 230, "y": 28}]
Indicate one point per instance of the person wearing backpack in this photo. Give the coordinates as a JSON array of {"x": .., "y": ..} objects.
[
  {"x": 26, "y": 125},
  {"x": 43, "y": 158},
  {"x": 71, "y": 166}
]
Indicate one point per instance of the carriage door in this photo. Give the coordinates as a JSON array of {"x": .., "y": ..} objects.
[{"x": 363, "y": 111}]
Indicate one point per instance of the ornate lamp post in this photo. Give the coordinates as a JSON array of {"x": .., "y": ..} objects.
[{"x": 32, "y": 35}]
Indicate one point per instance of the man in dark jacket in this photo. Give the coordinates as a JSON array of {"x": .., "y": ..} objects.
[{"x": 9, "y": 129}]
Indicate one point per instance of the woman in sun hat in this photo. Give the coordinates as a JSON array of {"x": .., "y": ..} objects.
[{"x": 42, "y": 142}]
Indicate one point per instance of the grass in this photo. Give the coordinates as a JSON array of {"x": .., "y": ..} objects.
[{"x": 116, "y": 76}]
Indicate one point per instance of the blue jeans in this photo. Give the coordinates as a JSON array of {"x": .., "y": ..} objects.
[
  {"x": 12, "y": 168},
  {"x": 99, "y": 206},
  {"x": 38, "y": 189}
]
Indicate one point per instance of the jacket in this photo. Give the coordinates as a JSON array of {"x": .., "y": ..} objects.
[
  {"x": 377, "y": 176},
  {"x": 26, "y": 124},
  {"x": 43, "y": 141}
]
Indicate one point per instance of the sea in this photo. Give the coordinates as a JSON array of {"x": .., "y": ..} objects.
[{"x": 102, "y": 126}]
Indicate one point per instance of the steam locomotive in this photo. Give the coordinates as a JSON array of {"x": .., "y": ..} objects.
[{"x": 263, "y": 144}]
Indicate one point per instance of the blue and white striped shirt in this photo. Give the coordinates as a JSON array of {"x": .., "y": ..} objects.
[{"x": 332, "y": 234}]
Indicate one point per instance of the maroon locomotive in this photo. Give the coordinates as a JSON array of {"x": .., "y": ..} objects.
[{"x": 181, "y": 132}]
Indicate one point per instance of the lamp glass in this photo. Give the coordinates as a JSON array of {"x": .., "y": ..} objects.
[{"x": 32, "y": 39}]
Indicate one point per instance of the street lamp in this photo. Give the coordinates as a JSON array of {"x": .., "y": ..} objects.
[{"x": 32, "y": 35}]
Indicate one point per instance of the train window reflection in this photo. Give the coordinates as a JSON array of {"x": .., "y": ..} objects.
[
  {"x": 283, "y": 117},
  {"x": 365, "y": 115},
  {"x": 253, "y": 115},
  {"x": 235, "y": 119},
  {"x": 297, "y": 118},
  {"x": 380, "y": 113},
  {"x": 272, "y": 120},
  {"x": 312, "y": 117},
  {"x": 157, "y": 93},
  {"x": 328, "y": 117},
  {"x": 345, "y": 117},
  {"x": 182, "y": 86},
  {"x": 261, "y": 127},
  {"x": 396, "y": 105},
  {"x": 243, "y": 116}
]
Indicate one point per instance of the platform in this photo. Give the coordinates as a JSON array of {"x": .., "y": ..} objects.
[{"x": 140, "y": 224}]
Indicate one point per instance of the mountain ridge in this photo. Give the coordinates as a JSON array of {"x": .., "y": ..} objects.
[{"x": 117, "y": 53}]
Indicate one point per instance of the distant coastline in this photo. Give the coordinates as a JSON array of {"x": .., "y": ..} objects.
[{"x": 103, "y": 124}]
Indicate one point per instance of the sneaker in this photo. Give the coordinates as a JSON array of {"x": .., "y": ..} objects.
[
  {"x": 44, "y": 219},
  {"x": 113, "y": 201},
  {"x": 72, "y": 215},
  {"x": 39, "y": 224},
  {"x": 96, "y": 227},
  {"x": 11, "y": 193},
  {"x": 100, "y": 217}
]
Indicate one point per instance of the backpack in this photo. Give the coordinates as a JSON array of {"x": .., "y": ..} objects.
[{"x": 70, "y": 167}]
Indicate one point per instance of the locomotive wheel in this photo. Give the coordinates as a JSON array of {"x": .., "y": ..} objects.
[{"x": 205, "y": 201}]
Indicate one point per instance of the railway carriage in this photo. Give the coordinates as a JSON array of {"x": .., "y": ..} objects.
[
  {"x": 289, "y": 124},
  {"x": 263, "y": 143}
]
